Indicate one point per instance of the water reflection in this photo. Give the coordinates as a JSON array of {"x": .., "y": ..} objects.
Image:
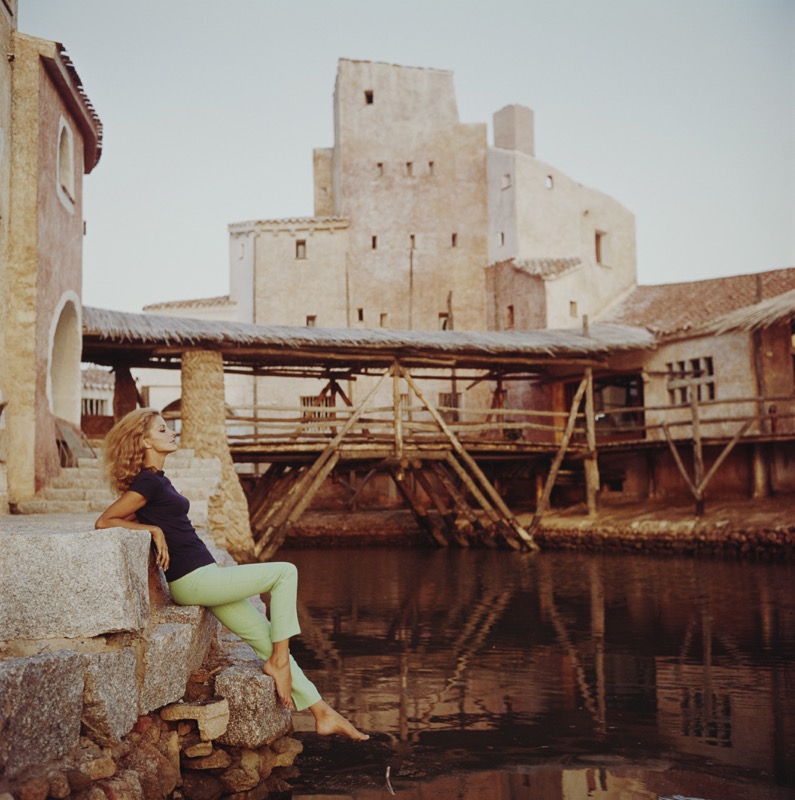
[{"x": 560, "y": 676}]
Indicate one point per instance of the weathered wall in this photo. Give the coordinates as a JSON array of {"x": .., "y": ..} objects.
[
  {"x": 537, "y": 212},
  {"x": 43, "y": 331},
  {"x": 7, "y": 26},
  {"x": 404, "y": 166}
]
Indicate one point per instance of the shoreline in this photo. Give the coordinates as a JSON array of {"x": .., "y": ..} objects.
[{"x": 745, "y": 528}]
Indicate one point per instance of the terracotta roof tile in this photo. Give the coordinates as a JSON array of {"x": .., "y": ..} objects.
[{"x": 676, "y": 308}]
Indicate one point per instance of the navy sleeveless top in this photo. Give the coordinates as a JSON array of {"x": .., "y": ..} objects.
[{"x": 168, "y": 509}]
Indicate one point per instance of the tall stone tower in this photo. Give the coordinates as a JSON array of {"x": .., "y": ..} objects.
[{"x": 411, "y": 179}]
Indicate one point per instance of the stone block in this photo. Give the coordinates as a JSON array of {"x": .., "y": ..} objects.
[
  {"x": 42, "y": 700},
  {"x": 73, "y": 584},
  {"x": 166, "y": 670},
  {"x": 204, "y": 625},
  {"x": 110, "y": 698},
  {"x": 255, "y": 715},
  {"x": 212, "y": 718}
]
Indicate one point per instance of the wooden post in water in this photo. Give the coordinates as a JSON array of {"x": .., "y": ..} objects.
[
  {"x": 698, "y": 455},
  {"x": 591, "y": 464}
]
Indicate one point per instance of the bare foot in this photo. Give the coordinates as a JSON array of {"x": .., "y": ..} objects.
[
  {"x": 280, "y": 672},
  {"x": 328, "y": 721}
]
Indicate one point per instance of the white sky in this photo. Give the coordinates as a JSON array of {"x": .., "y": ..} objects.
[{"x": 682, "y": 110}]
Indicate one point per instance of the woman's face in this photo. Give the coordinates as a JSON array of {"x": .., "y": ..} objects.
[{"x": 160, "y": 437}]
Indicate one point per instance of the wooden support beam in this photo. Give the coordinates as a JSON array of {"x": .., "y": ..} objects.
[
  {"x": 591, "y": 463},
  {"x": 446, "y": 513},
  {"x": 678, "y": 460},
  {"x": 472, "y": 524},
  {"x": 558, "y": 460},
  {"x": 274, "y": 536},
  {"x": 424, "y": 520},
  {"x": 698, "y": 453},
  {"x": 519, "y": 534},
  {"x": 498, "y": 525}
]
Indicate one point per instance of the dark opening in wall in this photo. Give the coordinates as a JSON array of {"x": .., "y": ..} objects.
[
  {"x": 430, "y": 167},
  {"x": 410, "y": 168},
  {"x": 369, "y": 96},
  {"x": 454, "y": 240},
  {"x": 510, "y": 319},
  {"x": 600, "y": 238},
  {"x": 300, "y": 248},
  {"x": 360, "y": 314},
  {"x": 380, "y": 169},
  {"x": 412, "y": 241},
  {"x": 311, "y": 319},
  {"x": 374, "y": 242},
  {"x": 383, "y": 319},
  {"x": 444, "y": 320}
]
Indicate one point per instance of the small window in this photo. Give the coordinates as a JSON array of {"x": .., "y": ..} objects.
[
  {"x": 550, "y": 183},
  {"x": 430, "y": 167},
  {"x": 572, "y": 308},
  {"x": 369, "y": 96},
  {"x": 374, "y": 242},
  {"x": 444, "y": 320},
  {"x": 502, "y": 239},
  {"x": 380, "y": 169},
  {"x": 510, "y": 319},
  {"x": 300, "y": 248},
  {"x": 506, "y": 180},
  {"x": 449, "y": 403},
  {"x": 410, "y": 168},
  {"x": 383, "y": 319},
  {"x": 360, "y": 314},
  {"x": 698, "y": 375},
  {"x": 311, "y": 319},
  {"x": 599, "y": 242},
  {"x": 412, "y": 241},
  {"x": 454, "y": 240}
]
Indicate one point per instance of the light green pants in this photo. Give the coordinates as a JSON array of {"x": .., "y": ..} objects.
[{"x": 225, "y": 592}]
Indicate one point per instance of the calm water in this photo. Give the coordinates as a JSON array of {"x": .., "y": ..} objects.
[{"x": 550, "y": 677}]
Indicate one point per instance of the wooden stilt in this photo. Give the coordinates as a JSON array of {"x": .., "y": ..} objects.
[
  {"x": 466, "y": 518},
  {"x": 430, "y": 525},
  {"x": 558, "y": 460},
  {"x": 698, "y": 455},
  {"x": 591, "y": 463},
  {"x": 518, "y": 533},
  {"x": 446, "y": 513}
]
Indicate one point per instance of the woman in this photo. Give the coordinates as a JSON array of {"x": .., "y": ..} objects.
[{"x": 135, "y": 453}]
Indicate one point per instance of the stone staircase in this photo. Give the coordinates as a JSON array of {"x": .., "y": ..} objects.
[{"x": 83, "y": 489}]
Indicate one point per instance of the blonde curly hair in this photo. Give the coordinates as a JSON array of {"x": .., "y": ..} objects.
[{"x": 124, "y": 447}]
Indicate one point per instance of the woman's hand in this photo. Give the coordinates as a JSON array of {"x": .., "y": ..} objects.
[{"x": 161, "y": 548}]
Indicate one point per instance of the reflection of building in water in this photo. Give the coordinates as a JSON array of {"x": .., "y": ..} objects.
[
  {"x": 723, "y": 713},
  {"x": 563, "y": 652}
]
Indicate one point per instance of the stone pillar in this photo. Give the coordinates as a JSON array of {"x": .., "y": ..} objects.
[{"x": 204, "y": 430}]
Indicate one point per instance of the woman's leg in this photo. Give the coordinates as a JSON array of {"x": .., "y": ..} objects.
[
  {"x": 243, "y": 619},
  {"x": 224, "y": 590}
]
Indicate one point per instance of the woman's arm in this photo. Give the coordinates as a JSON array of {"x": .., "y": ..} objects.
[{"x": 121, "y": 514}]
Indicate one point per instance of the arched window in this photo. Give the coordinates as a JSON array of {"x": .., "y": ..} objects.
[{"x": 65, "y": 178}]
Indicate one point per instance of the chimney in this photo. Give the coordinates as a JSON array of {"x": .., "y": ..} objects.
[{"x": 514, "y": 129}]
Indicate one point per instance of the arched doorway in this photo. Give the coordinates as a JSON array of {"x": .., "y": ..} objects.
[{"x": 63, "y": 376}]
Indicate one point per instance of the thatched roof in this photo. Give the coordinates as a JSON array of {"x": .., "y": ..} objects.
[
  {"x": 139, "y": 339},
  {"x": 775, "y": 311}
]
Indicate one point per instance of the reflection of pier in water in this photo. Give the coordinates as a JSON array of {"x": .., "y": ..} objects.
[{"x": 559, "y": 654}]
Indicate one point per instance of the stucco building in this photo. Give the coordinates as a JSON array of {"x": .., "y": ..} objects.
[
  {"x": 50, "y": 136},
  {"x": 420, "y": 223}
]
